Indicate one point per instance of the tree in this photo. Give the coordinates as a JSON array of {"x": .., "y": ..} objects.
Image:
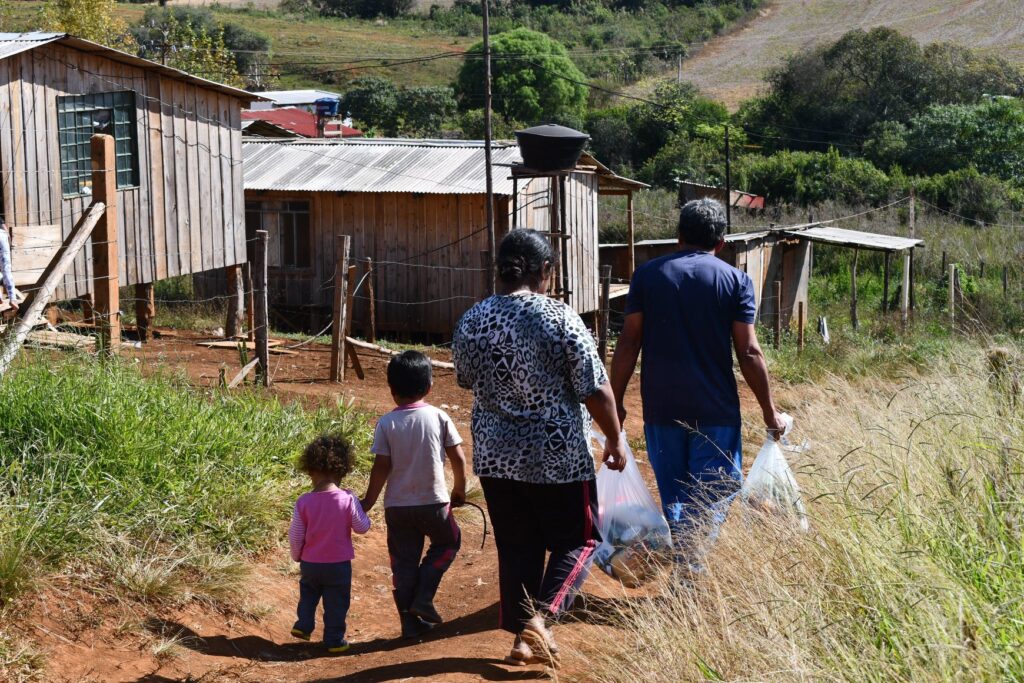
[
  {"x": 95, "y": 20},
  {"x": 196, "y": 51},
  {"x": 423, "y": 111},
  {"x": 372, "y": 102},
  {"x": 533, "y": 79},
  {"x": 249, "y": 48}
]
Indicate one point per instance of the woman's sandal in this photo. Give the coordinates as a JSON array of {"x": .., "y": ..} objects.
[
  {"x": 541, "y": 644},
  {"x": 520, "y": 655}
]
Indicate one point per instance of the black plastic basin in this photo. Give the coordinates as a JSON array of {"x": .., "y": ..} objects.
[{"x": 551, "y": 147}]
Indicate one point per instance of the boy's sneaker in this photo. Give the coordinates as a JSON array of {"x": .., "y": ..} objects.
[
  {"x": 413, "y": 626},
  {"x": 427, "y": 613},
  {"x": 301, "y": 635},
  {"x": 340, "y": 648}
]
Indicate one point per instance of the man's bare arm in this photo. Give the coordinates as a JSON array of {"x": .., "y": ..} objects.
[
  {"x": 755, "y": 372},
  {"x": 627, "y": 351}
]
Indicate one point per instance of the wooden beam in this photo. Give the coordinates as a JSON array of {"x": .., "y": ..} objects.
[
  {"x": 853, "y": 290},
  {"x": 631, "y": 235},
  {"x": 606, "y": 285},
  {"x": 261, "y": 317},
  {"x": 905, "y": 294},
  {"x": 235, "y": 322},
  {"x": 371, "y": 331},
  {"x": 242, "y": 373},
  {"x": 389, "y": 352},
  {"x": 106, "y": 304},
  {"x": 885, "y": 285},
  {"x": 48, "y": 282},
  {"x": 350, "y": 294},
  {"x": 339, "y": 322},
  {"x": 778, "y": 314},
  {"x": 145, "y": 310}
]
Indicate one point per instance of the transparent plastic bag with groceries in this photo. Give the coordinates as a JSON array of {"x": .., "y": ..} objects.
[
  {"x": 635, "y": 535},
  {"x": 770, "y": 487}
]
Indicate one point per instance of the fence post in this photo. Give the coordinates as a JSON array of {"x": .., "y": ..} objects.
[
  {"x": 981, "y": 270},
  {"x": 943, "y": 263},
  {"x": 250, "y": 304},
  {"x": 952, "y": 294},
  {"x": 261, "y": 318},
  {"x": 908, "y": 265},
  {"x": 341, "y": 247},
  {"x": 371, "y": 331},
  {"x": 236, "y": 302},
  {"x": 853, "y": 290},
  {"x": 912, "y": 280},
  {"x": 913, "y": 212},
  {"x": 606, "y": 286},
  {"x": 145, "y": 310},
  {"x": 106, "y": 304},
  {"x": 778, "y": 314},
  {"x": 486, "y": 268},
  {"x": 1005, "y": 282},
  {"x": 801, "y": 321},
  {"x": 885, "y": 285},
  {"x": 350, "y": 296}
]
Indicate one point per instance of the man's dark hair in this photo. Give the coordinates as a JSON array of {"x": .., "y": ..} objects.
[
  {"x": 328, "y": 455},
  {"x": 410, "y": 375},
  {"x": 702, "y": 223},
  {"x": 521, "y": 256}
]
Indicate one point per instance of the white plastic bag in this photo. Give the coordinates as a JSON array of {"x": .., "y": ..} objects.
[
  {"x": 633, "y": 530},
  {"x": 770, "y": 485}
]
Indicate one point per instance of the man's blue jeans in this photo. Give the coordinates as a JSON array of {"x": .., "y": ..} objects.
[
  {"x": 698, "y": 471},
  {"x": 331, "y": 581}
]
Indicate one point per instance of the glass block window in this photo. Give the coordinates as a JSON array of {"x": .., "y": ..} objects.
[
  {"x": 79, "y": 117},
  {"x": 295, "y": 238}
]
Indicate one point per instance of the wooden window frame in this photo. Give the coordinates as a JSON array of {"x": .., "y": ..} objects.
[{"x": 79, "y": 117}]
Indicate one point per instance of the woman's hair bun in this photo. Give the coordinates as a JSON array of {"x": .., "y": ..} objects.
[{"x": 521, "y": 255}]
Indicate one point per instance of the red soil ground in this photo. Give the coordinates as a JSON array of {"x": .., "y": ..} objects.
[{"x": 94, "y": 636}]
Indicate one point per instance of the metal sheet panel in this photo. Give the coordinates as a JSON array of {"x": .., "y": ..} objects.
[
  {"x": 375, "y": 165},
  {"x": 855, "y": 238}
]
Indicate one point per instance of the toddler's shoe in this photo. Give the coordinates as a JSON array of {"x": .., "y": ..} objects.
[
  {"x": 413, "y": 626},
  {"x": 301, "y": 635},
  {"x": 340, "y": 648},
  {"x": 426, "y": 612}
]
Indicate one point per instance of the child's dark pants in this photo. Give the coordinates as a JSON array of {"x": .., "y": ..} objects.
[
  {"x": 416, "y": 581},
  {"x": 331, "y": 581},
  {"x": 530, "y": 521}
]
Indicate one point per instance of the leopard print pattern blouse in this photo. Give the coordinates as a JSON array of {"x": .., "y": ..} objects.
[{"x": 530, "y": 362}]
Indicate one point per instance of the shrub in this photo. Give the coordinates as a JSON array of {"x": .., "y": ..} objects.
[
  {"x": 966, "y": 192},
  {"x": 813, "y": 177}
]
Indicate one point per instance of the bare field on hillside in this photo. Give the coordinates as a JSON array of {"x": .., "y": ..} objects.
[{"x": 731, "y": 68}]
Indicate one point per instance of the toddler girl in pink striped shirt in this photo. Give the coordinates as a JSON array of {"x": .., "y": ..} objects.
[{"x": 321, "y": 540}]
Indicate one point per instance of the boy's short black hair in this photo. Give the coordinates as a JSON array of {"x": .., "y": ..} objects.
[
  {"x": 410, "y": 374},
  {"x": 327, "y": 454}
]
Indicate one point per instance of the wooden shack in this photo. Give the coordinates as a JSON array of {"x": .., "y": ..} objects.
[
  {"x": 178, "y": 146},
  {"x": 417, "y": 208}
]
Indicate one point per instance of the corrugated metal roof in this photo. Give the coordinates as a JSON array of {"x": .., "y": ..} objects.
[
  {"x": 376, "y": 165},
  {"x": 287, "y": 98},
  {"x": 15, "y": 43},
  {"x": 855, "y": 238}
]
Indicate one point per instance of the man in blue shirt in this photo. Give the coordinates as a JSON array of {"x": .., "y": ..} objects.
[{"x": 687, "y": 312}]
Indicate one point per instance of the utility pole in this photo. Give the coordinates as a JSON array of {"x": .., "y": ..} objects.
[
  {"x": 728, "y": 185},
  {"x": 492, "y": 246},
  {"x": 679, "y": 68}
]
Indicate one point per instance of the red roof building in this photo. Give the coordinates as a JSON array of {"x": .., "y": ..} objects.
[{"x": 300, "y": 122}]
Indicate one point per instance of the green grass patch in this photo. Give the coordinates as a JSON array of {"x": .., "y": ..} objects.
[{"x": 94, "y": 456}]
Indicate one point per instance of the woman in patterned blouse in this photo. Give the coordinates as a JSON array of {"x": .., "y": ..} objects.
[{"x": 536, "y": 379}]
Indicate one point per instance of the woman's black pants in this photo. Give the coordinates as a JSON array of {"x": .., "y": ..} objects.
[{"x": 529, "y": 521}]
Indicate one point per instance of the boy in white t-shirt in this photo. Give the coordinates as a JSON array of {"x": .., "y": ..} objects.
[{"x": 410, "y": 445}]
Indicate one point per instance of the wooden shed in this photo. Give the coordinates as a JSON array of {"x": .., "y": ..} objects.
[
  {"x": 178, "y": 146},
  {"x": 417, "y": 208}
]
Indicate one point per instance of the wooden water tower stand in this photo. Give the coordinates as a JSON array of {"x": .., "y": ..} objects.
[{"x": 557, "y": 232}]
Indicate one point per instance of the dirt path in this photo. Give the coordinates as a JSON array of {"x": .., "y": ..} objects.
[{"x": 94, "y": 637}]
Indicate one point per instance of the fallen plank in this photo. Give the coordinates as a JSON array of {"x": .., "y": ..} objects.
[
  {"x": 281, "y": 352},
  {"x": 380, "y": 349},
  {"x": 60, "y": 340},
  {"x": 242, "y": 373}
]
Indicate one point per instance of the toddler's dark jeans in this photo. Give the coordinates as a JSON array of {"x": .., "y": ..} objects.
[{"x": 332, "y": 582}]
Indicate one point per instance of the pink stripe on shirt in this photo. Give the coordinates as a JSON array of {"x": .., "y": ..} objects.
[{"x": 322, "y": 526}]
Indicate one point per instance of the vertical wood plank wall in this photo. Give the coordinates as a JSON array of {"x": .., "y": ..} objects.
[
  {"x": 185, "y": 215},
  {"x": 424, "y": 282}
]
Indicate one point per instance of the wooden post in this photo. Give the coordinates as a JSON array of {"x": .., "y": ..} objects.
[
  {"x": 492, "y": 244},
  {"x": 145, "y": 310},
  {"x": 87, "y": 312},
  {"x": 250, "y": 305},
  {"x": 778, "y": 314},
  {"x": 371, "y": 331},
  {"x": 107, "y": 305},
  {"x": 912, "y": 278},
  {"x": 350, "y": 296},
  {"x": 885, "y": 285},
  {"x": 908, "y": 266},
  {"x": 801, "y": 321},
  {"x": 340, "y": 324},
  {"x": 912, "y": 210},
  {"x": 981, "y": 270},
  {"x": 47, "y": 284},
  {"x": 631, "y": 232},
  {"x": 487, "y": 268},
  {"x": 853, "y": 290},
  {"x": 606, "y": 286},
  {"x": 1006, "y": 281},
  {"x": 952, "y": 293},
  {"x": 944, "y": 262},
  {"x": 261, "y": 318},
  {"x": 236, "y": 302}
]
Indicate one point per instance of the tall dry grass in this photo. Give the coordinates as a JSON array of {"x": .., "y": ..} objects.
[{"x": 912, "y": 570}]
